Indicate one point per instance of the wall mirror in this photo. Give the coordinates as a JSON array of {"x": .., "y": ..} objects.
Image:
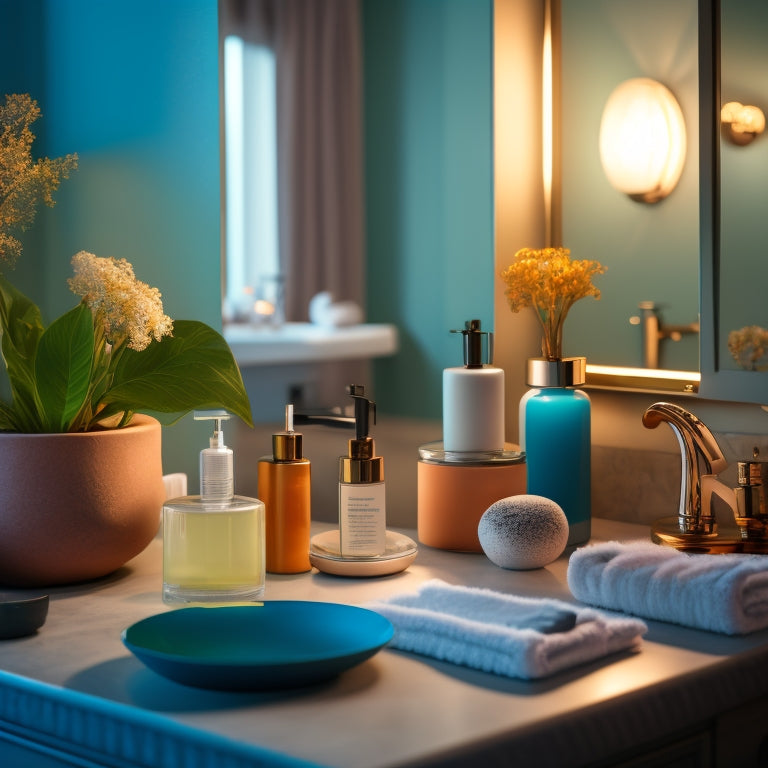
[
  {"x": 734, "y": 227},
  {"x": 697, "y": 251},
  {"x": 651, "y": 250}
]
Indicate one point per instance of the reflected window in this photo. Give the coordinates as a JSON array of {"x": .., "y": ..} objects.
[
  {"x": 293, "y": 156},
  {"x": 253, "y": 282}
]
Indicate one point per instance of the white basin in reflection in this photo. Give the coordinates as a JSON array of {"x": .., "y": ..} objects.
[
  {"x": 305, "y": 364},
  {"x": 307, "y": 342}
]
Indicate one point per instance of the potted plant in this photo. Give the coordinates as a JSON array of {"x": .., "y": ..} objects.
[{"x": 80, "y": 476}]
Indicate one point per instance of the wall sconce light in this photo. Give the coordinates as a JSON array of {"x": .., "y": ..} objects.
[
  {"x": 642, "y": 140},
  {"x": 741, "y": 124}
]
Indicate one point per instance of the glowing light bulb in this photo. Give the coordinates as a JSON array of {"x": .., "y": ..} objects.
[{"x": 642, "y": 140}]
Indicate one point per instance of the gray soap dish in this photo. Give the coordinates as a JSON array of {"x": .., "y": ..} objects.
[{"x": 21, "y": 614}]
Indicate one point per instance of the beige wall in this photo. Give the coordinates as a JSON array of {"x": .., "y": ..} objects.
[{"x": 518, "y": 190}]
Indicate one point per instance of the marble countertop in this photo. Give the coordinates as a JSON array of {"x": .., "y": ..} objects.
[{"x": 396, "y": 709}]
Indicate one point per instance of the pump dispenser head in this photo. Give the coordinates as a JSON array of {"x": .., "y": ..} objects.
[
  {"x": 216, "y": 462},
  {"x": 476, "y": 354},
  {"x": 287, "y": 445},
  {"x": 361, "y": 465}
]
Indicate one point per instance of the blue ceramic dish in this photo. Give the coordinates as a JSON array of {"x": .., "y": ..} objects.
[{"x": 277, "y": 644}]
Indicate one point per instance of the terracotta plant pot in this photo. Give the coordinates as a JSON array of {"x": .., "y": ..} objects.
[{"x": 77, "y": 506}]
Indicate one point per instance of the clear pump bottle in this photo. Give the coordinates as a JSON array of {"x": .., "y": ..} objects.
[
  {"x": 213, "y": 544},
  {"x": 362, "y": 499},
  {"x": 284, "y": 487}
]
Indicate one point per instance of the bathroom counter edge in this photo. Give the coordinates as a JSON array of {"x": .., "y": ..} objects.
[{"x": 395, "y": 709}]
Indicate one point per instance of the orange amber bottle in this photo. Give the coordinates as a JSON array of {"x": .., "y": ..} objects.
[{"x": 284, "y": 487}]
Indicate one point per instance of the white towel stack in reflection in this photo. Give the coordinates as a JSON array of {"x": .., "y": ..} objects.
[
  {"x": 721, "y": 593},
  {"x": 503, "y": 634}
]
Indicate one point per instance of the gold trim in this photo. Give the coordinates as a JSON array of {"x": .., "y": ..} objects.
[
  {"x": 643, "y": 379},
  {"x": 565, "y": 372}
]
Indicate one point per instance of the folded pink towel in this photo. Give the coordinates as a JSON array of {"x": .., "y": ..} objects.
[
  {"x": 500, "y": 633},
  {"x": 720, "y": 593}
]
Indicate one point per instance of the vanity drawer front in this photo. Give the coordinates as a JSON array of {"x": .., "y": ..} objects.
[
  {"x": 741, "y": 736},
  {"x": 693, "y": 751},
  {"x": 16, "y": 751}
]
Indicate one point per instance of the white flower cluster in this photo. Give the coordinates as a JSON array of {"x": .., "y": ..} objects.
[{"x": 126, "y": 307}]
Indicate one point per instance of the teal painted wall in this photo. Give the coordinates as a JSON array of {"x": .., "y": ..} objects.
[
  {"x": 135, "y": 94},
  {"x": 429, "y": 187},
  {"x": 133, "y": 89}
]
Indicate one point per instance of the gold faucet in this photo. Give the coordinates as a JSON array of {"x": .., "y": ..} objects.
[{"x": 695, "y": 528}]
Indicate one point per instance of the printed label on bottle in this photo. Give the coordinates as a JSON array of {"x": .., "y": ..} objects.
[{"x": 362, "y": 519}]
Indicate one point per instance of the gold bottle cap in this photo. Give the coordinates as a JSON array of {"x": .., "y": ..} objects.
[
  {"x": 361, "y": 466},
  {"x": 566, "y": 372},
  {"x": 287, "y": 445}
]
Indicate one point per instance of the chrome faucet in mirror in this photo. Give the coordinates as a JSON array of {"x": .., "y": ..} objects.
[{"x": 654, "y": 331}]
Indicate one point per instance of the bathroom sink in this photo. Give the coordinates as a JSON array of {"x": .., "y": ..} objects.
[
  {"x": 304, "y": 363},
  {"x": 307, "y": 342}
]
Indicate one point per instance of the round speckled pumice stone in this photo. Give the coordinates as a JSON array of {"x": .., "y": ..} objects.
[{"x": 523, "y": 532}]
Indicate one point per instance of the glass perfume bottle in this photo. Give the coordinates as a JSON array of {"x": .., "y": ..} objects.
[
  {"x": 555, "y": 434},
  {"x": 213, "y": 544}
]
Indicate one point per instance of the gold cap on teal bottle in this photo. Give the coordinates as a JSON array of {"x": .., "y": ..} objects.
[{"x": 565, "y": 372}]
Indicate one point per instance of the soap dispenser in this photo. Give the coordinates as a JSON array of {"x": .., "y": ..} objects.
[
  {"x": 284, "y": 487},
  {"x": 362, "y": 498},
  {"x": 472, "y": 467},
  {"x": 213, "y": 544},
  {"x": 473, "y": 396}
]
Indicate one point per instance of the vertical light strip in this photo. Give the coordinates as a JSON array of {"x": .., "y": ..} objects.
[
  {"x": 235, "y": 181},
  {"x": 547, "y": 121}
]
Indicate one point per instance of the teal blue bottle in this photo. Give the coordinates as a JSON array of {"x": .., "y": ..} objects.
[{"x": 555, "y": 433}]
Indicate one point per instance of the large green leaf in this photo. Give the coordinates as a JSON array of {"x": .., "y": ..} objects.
[
  {"x": 63, "y": 367},
  {"x": 20, "y": 319},
  {"x": 193, "y": 369},
  {"x": 22, "y": 328},
  {"x": 8, "y": 422}
]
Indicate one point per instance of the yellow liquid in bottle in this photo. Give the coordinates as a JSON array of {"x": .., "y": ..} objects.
[{"x": 213, "y": 554}]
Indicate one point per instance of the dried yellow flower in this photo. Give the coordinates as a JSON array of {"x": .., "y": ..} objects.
[
  {"x": 127, "y": 308},
  {"x": 550, "y": 282},
  {"x": 749, "y": 347},
  {"x": 23, "y": 182}
]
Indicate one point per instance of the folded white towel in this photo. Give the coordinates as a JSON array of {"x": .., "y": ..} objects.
[
  {"x": 504, "y": 634},
  {"x": 722, "y": 593}
]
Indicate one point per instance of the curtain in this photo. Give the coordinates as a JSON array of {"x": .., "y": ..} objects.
[{"x": 318, "y": 59}]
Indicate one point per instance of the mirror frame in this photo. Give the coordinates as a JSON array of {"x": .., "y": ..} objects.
[{"x": 716, "y": 383}]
